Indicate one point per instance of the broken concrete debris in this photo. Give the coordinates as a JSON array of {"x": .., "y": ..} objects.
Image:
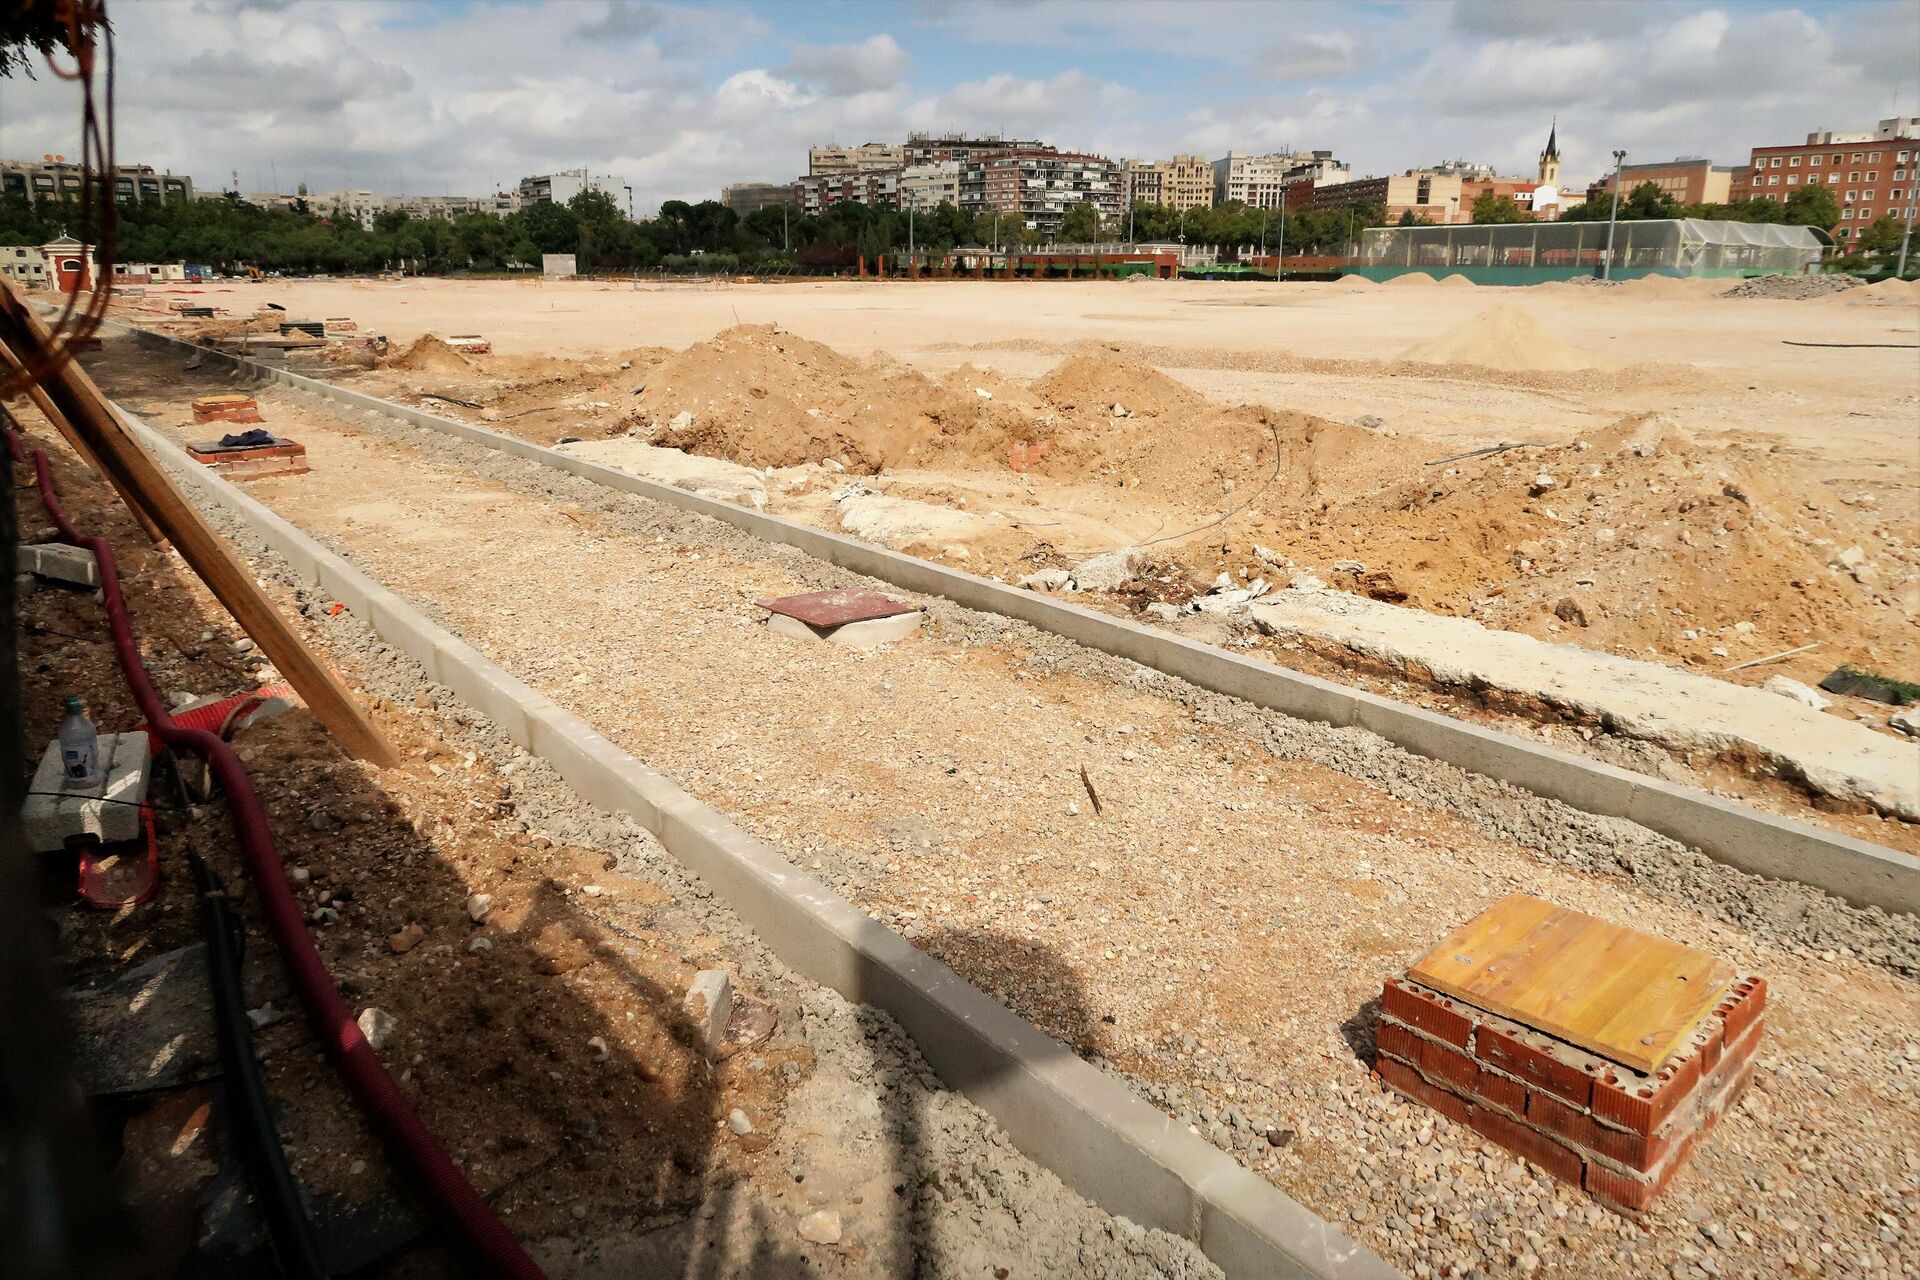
[
  {"x": 59, "y": 562},
  {"x": 378, "y": 1026},
  {"x": 709, "y": 1007},
  {"x": 1108, "y": 571}
]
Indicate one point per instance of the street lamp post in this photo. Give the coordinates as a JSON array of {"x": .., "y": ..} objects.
[
  {"x": 1280, "y": 259},
  {"x": 1906, "y": 237},
  {"x": 1613, "y": 215}
]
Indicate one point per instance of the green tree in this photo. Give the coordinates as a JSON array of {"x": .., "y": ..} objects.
[
  {"x": 1649, "y": 200},
  {"x": 1881, "y": 237},
  {"x": 1813, "y": 207},
  {"x": 1491, "y": 208},
  {"x": 1081, "y": 224}
]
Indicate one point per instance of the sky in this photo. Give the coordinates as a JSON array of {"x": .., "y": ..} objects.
[{"x": 678, "y": 99}]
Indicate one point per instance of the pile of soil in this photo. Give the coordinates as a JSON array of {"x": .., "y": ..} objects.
[
  {"x": 1504, "y": 337},
  {"x": 1887, "y": 292},
  {"x": 1457, "y": 282},
  {"x": 1414, "y": 278},
  {"x": 429, "y": 354},
  {"x": 1792, "y": 288}
]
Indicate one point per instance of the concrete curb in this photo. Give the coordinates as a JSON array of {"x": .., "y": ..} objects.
[
  {"x": 1078, "y": 1121},
  {"x": 1735, "y": 834}
]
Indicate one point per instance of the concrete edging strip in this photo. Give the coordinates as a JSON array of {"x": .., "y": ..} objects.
[
  {"x": 1735, "y": 834},
  {"x": 1107, "y": 1144}
]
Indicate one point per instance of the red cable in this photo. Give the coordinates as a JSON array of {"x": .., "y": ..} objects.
[{"x": 446, "y": 1189}]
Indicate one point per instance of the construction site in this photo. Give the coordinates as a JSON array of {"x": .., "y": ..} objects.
[{"x": 1006, "y": 778}]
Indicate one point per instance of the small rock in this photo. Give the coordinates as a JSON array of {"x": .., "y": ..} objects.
[
  {"x": 821, "y": 1226},
  {"x": 680, "y": 421},
  {"x": 1541, "y": 483},
  {"x": 1907, "y": 722},
  {"x": 322, "y": 821},
  {"x": 1371, "y": 421},
  {"x": 244, "y": 645},
  {"x": 1107, "y": 572},
  {"x": 378, "y": 1026},
  {"x": 481, "y": 943},
  {"x": 738, "y": 1122},
  {"x": 1573, "y": 609},
  {"x": 597, "y": 1048},
  {"x": 1787, "y": 687},
  {"x": 1047, "y": 580},
  {"x": 479, "y": 907},
  {"x": 407, "y": 939}
]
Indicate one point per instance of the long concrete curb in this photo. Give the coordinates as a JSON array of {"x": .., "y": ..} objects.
[
  {"x": 1105, "y": 1143},
  {"x": 1736, "y": 834}
]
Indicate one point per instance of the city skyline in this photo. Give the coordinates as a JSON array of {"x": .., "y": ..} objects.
[{"x": 412, "y": 98}]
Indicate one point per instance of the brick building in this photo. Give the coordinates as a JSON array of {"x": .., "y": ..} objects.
[
  {"x": 1872, "y": 175},
  {"x": 817, "y": 193},
  {"x": 1688, "y": 179},
  {"x": 928, "y": 148},
  {"x": 1038, "y": 187},
  {"x": 1428, "y": 194},
  {"x": 869, "y": 157},
  {"x": 748, "y": 197}
]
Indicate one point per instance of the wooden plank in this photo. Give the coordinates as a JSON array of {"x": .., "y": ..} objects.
[
  {"x": 81, "y": 404},
  {"x": 1628, "y": 996}
]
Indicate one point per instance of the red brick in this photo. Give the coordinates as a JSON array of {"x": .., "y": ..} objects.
[
  {"x": 1633, "y": 1192},
  {"x": 1641, "y": 1152},
  {"x": 1446, "y": 1065},
  {"x": 1550, "y": 1115},
  {"x": 1528, "y": 1144},
  {"x": 1397, "y": 1041},
  {"x": 1527, "y": 1055},
  {"x": 1743, "y": 1003},
  {"x": 1709, "y": 1038},
  {"x": 1425, "y": 1010},
  {"x": 1642, "y": 1103},
  {"x": 1724, "y": 1094},
  {"x": 1406, "y": 1080},
  {"x": 1501, "y": 1091}
]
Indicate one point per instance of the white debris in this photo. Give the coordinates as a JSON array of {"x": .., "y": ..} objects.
[
  {"x": 1306, "y": 580},
  {"x": 378, "y": 1026},
  {"x": 1047, "y": 580},
  {"x": 1787, "y": 687},
  {"x": 709, "y": 1007},
  {"x": 983, "y": 393},
  {"x": 738, "y": 1121},
  {"x": 821, "y": 1227},
  {"x": 680, "y": 421},
  {"x": 1107, "y": 572},
  {"x": 479, "y": 906},
  {"x": 1907, "y": 722},
  {"x": 597, "y": 1048}
]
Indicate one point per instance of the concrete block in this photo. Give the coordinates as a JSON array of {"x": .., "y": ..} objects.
[
  {"x": 861, "y": 635},
  {"x": 709, "y": 1006},
  {"x": 108, "y": 811},
  {"x": 60, "y": 562}
]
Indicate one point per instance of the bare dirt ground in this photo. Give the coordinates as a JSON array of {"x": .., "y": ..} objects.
[
  {"x": 1217, "y": 931},
  {"x": 545, "y": 1046}
]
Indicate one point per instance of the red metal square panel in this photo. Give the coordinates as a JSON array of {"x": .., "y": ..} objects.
[{"x": 836, "y": 608}]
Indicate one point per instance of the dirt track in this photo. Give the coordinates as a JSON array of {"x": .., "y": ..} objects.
[{"x": 1215, "y": 935}]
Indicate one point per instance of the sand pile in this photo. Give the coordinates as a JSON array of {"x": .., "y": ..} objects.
[
  {"x": 1506, "y": 338},
  {"x": 1357, "y": 284},
  {"x": 429, "y": 354},
  {"x": 1096, "y": 382},
  {"x": 1888, "y": 292},
  {"x": 757, "y": 395},
  {"x": 1650, "y": 534},
  {"x": 1414, "y": 278},
  {"x": 1457, "y": 281}
]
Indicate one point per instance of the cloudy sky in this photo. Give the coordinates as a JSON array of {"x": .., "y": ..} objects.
[{"x": 680, "y": 98}]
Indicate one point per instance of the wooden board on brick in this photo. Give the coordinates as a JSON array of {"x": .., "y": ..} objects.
[{"x": 1628, "y": 996}]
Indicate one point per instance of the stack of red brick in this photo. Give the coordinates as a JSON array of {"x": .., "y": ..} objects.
[
  {"x": 230, "y": 407},
  {"x": 1596, "y": 1124}
]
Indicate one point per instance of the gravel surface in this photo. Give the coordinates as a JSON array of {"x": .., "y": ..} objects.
[{"x": 1217, "y": 930}]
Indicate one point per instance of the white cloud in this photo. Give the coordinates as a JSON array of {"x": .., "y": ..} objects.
[
  {"x": 845, "y": 69},
  {"x": 1315, "y": 56}
]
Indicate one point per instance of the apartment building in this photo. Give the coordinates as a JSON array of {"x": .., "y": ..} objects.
[
  {"x": 357, "y": 203},
  {"x": 750, "y": 197},
  {"x": 1427, "y": 194},
  {"x": 1872, "y": 175},
  {"x": 1261, "y": 182},
  {"x": 1688, "y": 179},
  {"x": 817, "y": 193},
  {"x": 870, "y": 157},
  {"x": 445, "y": 208},
  {"x": 1184, "y": 182},
  {"x": 56, "y": 177},
  {"x": 1038, "y": 187},
  {"x": 928, "y": 186},
  {"x": 928, "y": 148},
  {"x": 567, "y": 183}
]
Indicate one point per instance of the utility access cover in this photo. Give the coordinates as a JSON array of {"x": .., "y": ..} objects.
[
  {"x": 827, "y": 609},
  {"x": 1623, "y": 994}
]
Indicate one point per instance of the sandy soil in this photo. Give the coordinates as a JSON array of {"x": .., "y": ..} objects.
[{"x": 1215, "y": 932}]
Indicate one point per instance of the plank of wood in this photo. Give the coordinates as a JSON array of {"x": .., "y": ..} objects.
[
  {"x": 72, "y": 392},
  {"x": 1628, "y": 996}
]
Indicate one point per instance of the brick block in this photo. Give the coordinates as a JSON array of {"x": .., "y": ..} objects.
[
  {"x": 1397, "y": 1041},
  {"x": 58, "y": 561},
  {"x": 107, "y": 812},
  {"x": 1568, "y": 1123},
  {"x": 1640, "y": 1103},
  {"x": 1427, "y": 1010},
  {"x": 1539, "y": 1061},
  {"x": 1405, "y": 1080},
  {"x": 1527, "y": 1143},
  {"x": 1445, "y": 1065},
  {"x": 1501, "y": 1091},
  {"x": 1634, "y": 1193},
  {"x": 1745, "y": 1001}
]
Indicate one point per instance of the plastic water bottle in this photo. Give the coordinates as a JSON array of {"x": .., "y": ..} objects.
[{"x": 79, "y": 748}]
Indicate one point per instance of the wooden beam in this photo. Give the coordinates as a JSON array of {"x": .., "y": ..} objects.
[
  {"x": 52, "y": 414},
  {"x": 79, "y": 401}
]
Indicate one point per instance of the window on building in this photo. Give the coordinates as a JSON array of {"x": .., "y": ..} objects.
[
  {"x": 1773, "y": 179},
  {"x": 1847, "y": 214},
  {"x": 1834, "y": 176},
  {"x": 1846, "y": 232},
  {"x": 1813, "y": 162},
  {"x": 1872, "y": 176},
  {"x": 1873, "y": 157},
  {"x": 1858, "y": 156},
  {"x": 1793, "y": 162},
  {"x": 1900, "y": 155},
  {"x": 1793, "y": 179}
]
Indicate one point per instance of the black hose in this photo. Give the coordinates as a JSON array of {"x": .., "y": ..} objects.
[{"x": 250, "y": 1116}]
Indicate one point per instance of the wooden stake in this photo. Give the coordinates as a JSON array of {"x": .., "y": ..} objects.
[{"x": 122, "y": 459}]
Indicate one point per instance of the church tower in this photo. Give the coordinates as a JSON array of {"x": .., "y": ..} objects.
[{"x": 1550, "y": 158}]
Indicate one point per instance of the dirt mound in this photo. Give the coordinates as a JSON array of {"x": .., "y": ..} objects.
[
  {"x": 1506, "y": 338},
  {"x": 1457, "y": 281},
  {"x": 755, "y": 394},
  {"x": 1888, "y": 291},
  {"x": 1097, "y": 383},
  {"x": 1792, "y": 288},
  {"x": 429, "y": 354},
  {"x": 1357, "y": 284},
  {"x": 1415, "y": 278}
]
